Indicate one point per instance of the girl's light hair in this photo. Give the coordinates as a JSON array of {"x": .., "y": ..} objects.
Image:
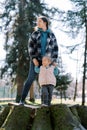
[{"x": 47, "y": 58}]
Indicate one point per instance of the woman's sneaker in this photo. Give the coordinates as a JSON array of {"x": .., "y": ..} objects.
[{"x": 21, "y": 103}]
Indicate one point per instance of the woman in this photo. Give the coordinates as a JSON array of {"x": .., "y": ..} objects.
[{"x": 42, "y": 42}]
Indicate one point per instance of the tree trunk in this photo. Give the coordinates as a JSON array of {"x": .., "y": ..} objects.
[
  {"x": 75, "y": 93},
  {"x": 55, "y": 117},
  {"x": 61, "y": 95},
  {"x": 32, "y": 99},
  {"x": 19, "y": 83},
  {"x": 4, "y": 115},
  {"x": 62, "y": 118},
  {"x": 42, "y": 120},
  {"x": 85, "y": 57},
  {"x": 19, "y": 119},
  {"x": 20, "y": 64},
  {"x": 82, "y": 113}
]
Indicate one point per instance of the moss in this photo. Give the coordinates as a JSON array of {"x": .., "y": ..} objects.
[
  {"x": 62, "y": 118},
  {"x": 4, "y": 115},
  {"x": 75, "y": 113},
  {"x": 82, "y": 112},
  {"x": 42, "y": 120},
  {"x": 18, "y": 119},
  {"x": 55, "y": 117}
]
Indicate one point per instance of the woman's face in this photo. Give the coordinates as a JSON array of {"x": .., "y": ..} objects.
[{"x": 41, "y": 23}]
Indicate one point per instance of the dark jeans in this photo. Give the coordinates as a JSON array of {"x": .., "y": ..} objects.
[
  {"x": 29, "y": 81},
  {"x": 46, "y": 94}
]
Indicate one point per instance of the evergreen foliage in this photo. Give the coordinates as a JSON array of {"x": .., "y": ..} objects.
[{"x": 75, "y": 22}]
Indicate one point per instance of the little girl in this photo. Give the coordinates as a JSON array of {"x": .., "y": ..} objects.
[{"x": 47, "y": 80}]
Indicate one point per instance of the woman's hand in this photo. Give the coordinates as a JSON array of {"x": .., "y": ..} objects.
[{"x": 35, "y": 61}]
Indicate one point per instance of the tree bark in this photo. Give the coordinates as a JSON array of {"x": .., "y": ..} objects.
[
  {"x": 42, "y": 120},
  {"x": 85, "y": 56},
  {"x": 32, "y": 99},
  {"x": 19, "y": 83},
  {"x": 4, "y": 115},
  {"x": 55, "y": 117},
  {"x": 82, "y": 113}
]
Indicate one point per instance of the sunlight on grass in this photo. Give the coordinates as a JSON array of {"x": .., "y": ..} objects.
[
  {"x": 54, "y": 101},
  {"x": 63, "y": 101}
]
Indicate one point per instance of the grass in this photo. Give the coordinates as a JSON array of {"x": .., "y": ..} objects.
[
  {"x": 54, "y": 101},
  {"x": 63, "y": 101}
]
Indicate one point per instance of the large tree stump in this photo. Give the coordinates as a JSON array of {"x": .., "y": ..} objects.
[
  {"x": 19, "y": 119},
  {"x": 63, "y": 118},
  {"x": 55, "y": 117},
  {"x": 82, "y": 113},
  {"x": 42, "y": 119},
  {"x": 4, "y": 115}
]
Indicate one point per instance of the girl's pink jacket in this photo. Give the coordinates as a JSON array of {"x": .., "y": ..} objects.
[{"x": 46, "y": 75}]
